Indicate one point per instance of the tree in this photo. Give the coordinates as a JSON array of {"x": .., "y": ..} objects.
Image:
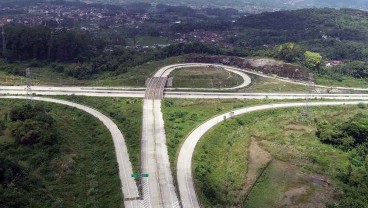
[
  {"x": 312, "y": 60},
  {"x": 32, "y": 125},
  {"x": 289, "y": 52}
]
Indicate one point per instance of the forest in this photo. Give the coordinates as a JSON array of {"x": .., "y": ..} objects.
[
  {"x": 47, "y": 160},
  {"x": 32, "y": 128},
  {"x": 333, "y": 34}
]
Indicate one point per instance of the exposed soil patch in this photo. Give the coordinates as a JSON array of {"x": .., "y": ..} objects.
[
  {"x": 297, "y": 189},
  {"x": 266, "y": 66}
]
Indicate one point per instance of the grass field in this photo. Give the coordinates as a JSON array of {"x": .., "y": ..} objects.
[
  {"x": 41, "y": 75},
  {"x": 182, "y": 115},
  {"x": 81, "y": 173},
  {"x": 205, "y": 77},
  {"x": 345, "y": 81},
  {"x": 126, "y": 113},
  {"x": 221, "y": 159}
]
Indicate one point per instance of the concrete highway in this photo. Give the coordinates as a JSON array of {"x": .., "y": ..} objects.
[
  {"x": 158, "y": 189},
  {"x": 106, "y": 92},
  {"x": 128, "y": 184},
  {"x": 165, "y": 72},
  {"x": 184, "y": 164}
]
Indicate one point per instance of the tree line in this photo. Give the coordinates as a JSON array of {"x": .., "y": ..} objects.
[{"x": 44, "y": 43}]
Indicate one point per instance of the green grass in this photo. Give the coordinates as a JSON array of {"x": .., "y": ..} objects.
[
  {"x": 44, "y": 75},
  {"x": 205, "y": 77},
  {"x": 264, "y": 193},
  {"x": 136, "y": 76},
  {"x": 181, "y": 116},
  {"x": 283, "y": 133},
  {"x": 82, "y": 173},
  {"x": 345, "y": 81},
  {"x": 220, "y": 183},
  {"x": 126, "y": 113}
]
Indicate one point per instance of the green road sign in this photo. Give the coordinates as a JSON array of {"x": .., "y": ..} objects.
[{"x": 144, "y": 175}]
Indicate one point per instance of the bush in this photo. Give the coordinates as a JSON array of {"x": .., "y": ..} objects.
[{"x": 32, "y": 125}]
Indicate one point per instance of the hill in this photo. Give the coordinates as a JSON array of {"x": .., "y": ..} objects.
[{"x": 255, "y": 5}]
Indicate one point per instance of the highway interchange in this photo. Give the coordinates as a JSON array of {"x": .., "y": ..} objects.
[{"x": 158, "y": 190}]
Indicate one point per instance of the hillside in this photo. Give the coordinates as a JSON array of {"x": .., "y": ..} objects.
[{"x": 258, "y": 5}]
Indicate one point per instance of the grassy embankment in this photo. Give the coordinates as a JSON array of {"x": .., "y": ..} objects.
[
  {"x": 44, "y": 74},
  {"x": 345, "y": 81},
  {"x": 79, "y": 170},
  {"x": 222, "y": 160},
  {"x": 182, "y": 115},
  {"x": 126, "y": 113},
  {"x": 205, "y": 77}
]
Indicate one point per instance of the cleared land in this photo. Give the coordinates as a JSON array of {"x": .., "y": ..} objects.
[
  {"x": 80, "y": 170},
  {"x": 205, "y": 77},
  {"x": 296, "y": 175}
]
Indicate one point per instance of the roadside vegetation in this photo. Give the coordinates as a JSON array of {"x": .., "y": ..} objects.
[
  {"x": 306, "y": 162},
  {"x": 181, "y": 116},
  {"x": 341, "y": 80},
  {"x": 55, "y": 156},
  {"x": 126, "y": 114}
]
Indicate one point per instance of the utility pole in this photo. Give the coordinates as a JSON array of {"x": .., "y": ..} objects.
[
  {"x": 3, "y": 42},
  {"x": 29, "y": 83}
]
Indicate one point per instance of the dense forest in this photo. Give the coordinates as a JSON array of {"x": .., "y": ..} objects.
[
  {"x": 32, "y": 128},
  {"x": 47, "y": 160}
]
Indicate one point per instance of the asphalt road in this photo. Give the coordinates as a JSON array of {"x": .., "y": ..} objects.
[
  {"x": 128, "y": 185},
  {"x": 184, "y": 165}
]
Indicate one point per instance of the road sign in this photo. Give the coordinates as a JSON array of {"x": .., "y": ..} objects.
[{"x": 136, "y": 175}]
